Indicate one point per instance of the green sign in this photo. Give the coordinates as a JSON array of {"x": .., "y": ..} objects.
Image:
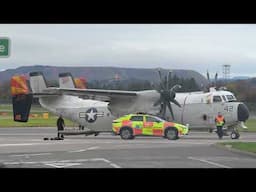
[{"x": 4, "y": 47}]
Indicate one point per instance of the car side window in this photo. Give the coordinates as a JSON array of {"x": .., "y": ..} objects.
[
  {"x": 151, "y": 119},
  {"x": 136, "y": 118}
]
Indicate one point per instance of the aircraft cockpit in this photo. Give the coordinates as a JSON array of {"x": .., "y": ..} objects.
[{"x": 223, "y": 96}]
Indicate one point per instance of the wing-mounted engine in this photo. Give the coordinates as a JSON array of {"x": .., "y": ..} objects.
[{"x": 167, "y": 95}]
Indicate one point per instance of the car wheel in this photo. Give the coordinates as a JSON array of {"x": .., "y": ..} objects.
[
  {"x": 171, "y": 133},
  {"x": 126, "y": 133}
]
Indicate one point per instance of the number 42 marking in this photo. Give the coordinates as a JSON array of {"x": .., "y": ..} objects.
[{"x": 228, "y": 108}]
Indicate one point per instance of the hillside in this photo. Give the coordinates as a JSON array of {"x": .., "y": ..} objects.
[{"x": 102, "y": 73}]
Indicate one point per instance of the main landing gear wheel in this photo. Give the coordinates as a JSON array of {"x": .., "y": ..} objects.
[{"x": 235, "y": 135}]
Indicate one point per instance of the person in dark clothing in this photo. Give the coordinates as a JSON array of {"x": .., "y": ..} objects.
[
  {"x": 60, "y": 126},
  {"x": 220, "y": 121}
]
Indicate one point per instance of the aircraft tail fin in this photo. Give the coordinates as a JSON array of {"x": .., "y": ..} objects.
[
  {"x": 21, "y": 98},
  {"x": 37, "y": 82},
  {"x": 80, "y": 83},
  {"x": 66, "y": 80}
]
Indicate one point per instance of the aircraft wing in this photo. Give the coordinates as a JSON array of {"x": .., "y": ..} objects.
[{"x": 111, "y": 94}]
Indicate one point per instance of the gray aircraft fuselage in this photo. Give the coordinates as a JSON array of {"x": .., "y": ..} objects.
[{"x": 197, "y": 109}]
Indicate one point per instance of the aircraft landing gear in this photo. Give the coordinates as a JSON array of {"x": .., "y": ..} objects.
[{"x": 235, "y": 135}]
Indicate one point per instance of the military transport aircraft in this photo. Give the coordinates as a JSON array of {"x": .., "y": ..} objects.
[{"x": 198, "y": 109}]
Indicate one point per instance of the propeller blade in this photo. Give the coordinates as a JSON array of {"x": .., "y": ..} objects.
[
  {"x": 163, "y": 110},
  {"x": 208, "y": 76},
  {"x": 166, "y": 82},
  {"x": 158, "y": 102},
  {"x": 161, "y": 80},
  {"x": 176, "y": 102},
  {"x": 168, "y": 79},
  {"x": 175, "y": 87},
  {"x": 170, "y": 109},
  {"x": 216, "y": 77}
]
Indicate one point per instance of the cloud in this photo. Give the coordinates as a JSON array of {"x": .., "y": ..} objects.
[{"x": 197, "y": 47}]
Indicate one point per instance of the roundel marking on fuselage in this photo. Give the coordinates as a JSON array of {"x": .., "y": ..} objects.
[{"x": 91, "y": 115}]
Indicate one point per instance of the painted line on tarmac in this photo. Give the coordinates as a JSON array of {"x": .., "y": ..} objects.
[
  {"x": 20, "y": 144},
  {"x": 42, "y": 143},
  {"x": 28, "y": 155},
  {"x": 83, "y": 150},
  {"x": 209, "y": 162},
  {"x": 107, "y": 161},
  {"x": 24, "y": 134},
  {"x": 64, "y": 163}
]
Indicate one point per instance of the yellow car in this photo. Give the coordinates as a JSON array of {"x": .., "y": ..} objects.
[{"x": 131, "y": 125}]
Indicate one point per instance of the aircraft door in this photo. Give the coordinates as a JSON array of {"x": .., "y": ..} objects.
[{"x": 196, "y": 112}]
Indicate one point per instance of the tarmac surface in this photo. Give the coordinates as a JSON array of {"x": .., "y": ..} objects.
[{"x": 25, "y": 148}]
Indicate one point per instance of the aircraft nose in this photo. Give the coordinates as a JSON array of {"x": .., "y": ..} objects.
[{"x": 242, "y": 112}]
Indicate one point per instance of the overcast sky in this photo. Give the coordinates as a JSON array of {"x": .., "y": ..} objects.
[{"x": 198, "y": 47}]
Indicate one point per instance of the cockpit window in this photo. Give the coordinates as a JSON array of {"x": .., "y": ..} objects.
[
  {"x": 230, "y": 97},
  {"x": 224, "y": 98},
  {"x": 217, "y": 98}
]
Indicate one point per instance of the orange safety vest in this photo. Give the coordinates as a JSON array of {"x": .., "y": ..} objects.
[{"x": 219, "y": 120}]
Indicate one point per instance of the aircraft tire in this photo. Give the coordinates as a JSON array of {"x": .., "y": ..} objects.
[
  {"x": 126, "y": 133},
  {"x": 171, "y": 133},
  {"x": 234, "y": 135}
]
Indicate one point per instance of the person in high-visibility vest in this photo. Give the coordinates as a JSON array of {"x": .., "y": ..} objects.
[{"x": 220, "y": 122}]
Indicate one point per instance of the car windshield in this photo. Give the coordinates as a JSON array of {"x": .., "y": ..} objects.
[{"x": 159, "y": 119}]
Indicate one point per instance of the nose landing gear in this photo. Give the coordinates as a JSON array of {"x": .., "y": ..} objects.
[{"x": 235, "y": 134}]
